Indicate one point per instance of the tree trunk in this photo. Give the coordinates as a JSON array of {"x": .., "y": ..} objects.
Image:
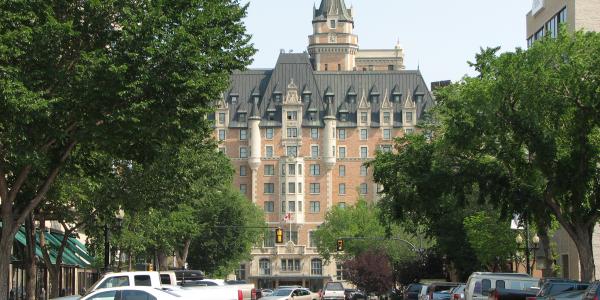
[
  {"x": 163, "y": 264},
  {"x": 54, "y": 273},
  {"x": 548, "y": 270},
  {"x": 130, "y": 261},
  {"x": 30, "y": 265},
  {"x": 181, "y": 256},
  {"x": 583, "y": 241},
  {"x": 6, "y": 245}
]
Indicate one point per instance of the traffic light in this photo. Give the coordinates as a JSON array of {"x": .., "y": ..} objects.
[
  {"x": 340, "y": 245},
  {"x": 278, "y": 235}
]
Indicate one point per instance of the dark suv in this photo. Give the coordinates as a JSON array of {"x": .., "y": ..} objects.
[
  {"x": 412, "y": 291},
  {"x": 593, "y": 291}
]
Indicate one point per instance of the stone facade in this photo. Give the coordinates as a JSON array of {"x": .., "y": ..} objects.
[
  {"x": 298, "y": 136},
  {"x": 546, "y": 14}
]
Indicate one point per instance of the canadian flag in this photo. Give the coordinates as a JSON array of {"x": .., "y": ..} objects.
[{"x": 287, "y": 217}]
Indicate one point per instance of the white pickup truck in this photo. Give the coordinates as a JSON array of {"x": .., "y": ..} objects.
[{"x": 167, "y": 281}]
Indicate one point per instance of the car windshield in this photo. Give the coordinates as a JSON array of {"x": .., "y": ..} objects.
[
  {"x": 282, "y": 292},
  {"x": 335, "y": 286}
]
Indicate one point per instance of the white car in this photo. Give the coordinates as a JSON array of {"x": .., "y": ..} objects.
[
  {"x": 132, "y": 293},
  {"x": 291, "y": 293}
]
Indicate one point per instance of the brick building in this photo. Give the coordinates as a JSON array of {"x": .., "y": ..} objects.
[{"x": 298, "y": 135}]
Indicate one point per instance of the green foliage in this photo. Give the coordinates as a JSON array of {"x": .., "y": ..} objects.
[
  {"x": 492, "y": 239},
  {"x": 363, "y": 220}
]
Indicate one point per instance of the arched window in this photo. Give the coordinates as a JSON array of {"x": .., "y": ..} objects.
[
  {"x": 264, "y": 265},
  {"x": 316, "y": 266}
]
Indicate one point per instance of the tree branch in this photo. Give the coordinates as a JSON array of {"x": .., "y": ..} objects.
[
  {"x": 33, "y": 203},
  {"x": 17, "y": 185},
  {"x": 6, "y": 205}
]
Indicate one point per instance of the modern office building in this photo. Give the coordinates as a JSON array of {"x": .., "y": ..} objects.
[
  {"x": 545, "y": 16},
  {"x": 298, "y": 135}
]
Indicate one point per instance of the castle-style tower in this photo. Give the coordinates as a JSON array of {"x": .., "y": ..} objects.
[{"x": 332, "y": 46}]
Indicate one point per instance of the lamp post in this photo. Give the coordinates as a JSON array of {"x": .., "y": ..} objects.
[
  {"x": 528, "y": 247},
  {"x": 119, "y": 217}
]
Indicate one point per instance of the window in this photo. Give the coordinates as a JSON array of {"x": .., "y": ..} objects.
[
  {"x": 316, "y": 267},
  {"x": 110, "y": 295},
  {"x": 314, "y": 151},
  {"x": 269, "y": 151},
  {"x": 364, "y": 134},
  {"x": 374, "y": 98},
  {"x": 344, "y": 117},
  {"x": 114, "y": 282},
  {"x": 397, "y": 98},
  {"x": 342, "y": 189},
  {"x": 240, "y": 274},
  {"x": 486, "y": 285},
  {"x": 332, "y": 24},
  {"x": 363, "y": 170},
  {"x": 221, "y": 134},
  {"x": 283, "y": 166},
  {"x": 243, "y": 152},
  {"x": 342, "y": 170},
  {"x": 264, "y": 266},
  {"x": 291, "y": 188},
  {"x": 314, "y": 133},
  {"x": 243, "y": 188},
  {"x": 387, "y": 134},
  {"x": 292, "y": 151},
  {"x": 500, "y": 284},
  {"x": 315, "y": 170},
  {"x": 277, "y": 97},
  {"x": 221, "y": 118},
  {"x": 315, "y": 206},
  {"x": 409, "y": 130},
  {"x": 342, "y": 134},
  {"x": 243, "y": 134},
  {"x": 326, "y": 67},
  {"x": 271, "y": 116},
  {"x": 233, "y": 99},
  {"x": 409, "y": 117},
  {"x": 299, "y": 169},
  {"x": 243, "y": 170},
  {"x": 269, "y": 170},
  {"x": 390, "y": 67},
  {"x": 386, "y": 117},
  {"x": 292, "y": 169},
  {"x": 283, "y": 191},
  {"x": 386, "y": 148},
  {"x": 294, "y": 237},
  {"x": 363, "y": 117},
  {"x": 312, "y": 241},
  {"x": 292, "y": 115},
  {"x": 269, "y": 133},
  {"x": 269, "y": 188},
  {"x": 315, "y": 188},
  {"x": 340, "y": 273},
  {"x": 352, "y": 98},
  {"x": 300, "y": 189},
  {"x": 291, "y": 206},
  {"x": 292, "y": 132},
  {"x": 222, "y": 150},
  {"x": 269, "y": 206},
  {"x": 364, "y": 152},
  {"x": 242, "y": 117},
  {"x": 364, "y": 189},
  {"x": 341, "y": 205},
  {"x": 342, "y": 152},
  {"x": 290, "y": 265}
]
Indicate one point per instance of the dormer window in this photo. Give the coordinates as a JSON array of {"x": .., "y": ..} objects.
[
  {"x": 242, "y": 117},
  {"x": 374, "y": 98},
  {"x": 306, "y": 98},
  {"x": 396, "y": 98},
  {"x": 418, "y": 98},
  {"x": 233, "y": 98},
  {"x": 352, "y": 98},
  {"x": 332, "y": 24},
  {"x": 386, "y": 118},
  {"x": 344, "y": 117},
  {"x": 292, "y": 115},
  {"x": 312, "y": 116},
  {"x": 277, "y": 97},
  {"x": 364, "y": 117},
  {"x": 255, "y": 99},
  {"x": 271, "y": 116}
]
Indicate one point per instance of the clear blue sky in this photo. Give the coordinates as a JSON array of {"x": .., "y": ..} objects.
[{"x": 439, "y": 36}]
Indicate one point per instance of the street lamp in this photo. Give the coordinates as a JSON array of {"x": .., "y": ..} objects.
[
  {"x": 119, "y": 217},
  {"x": 528, "y": 247}
]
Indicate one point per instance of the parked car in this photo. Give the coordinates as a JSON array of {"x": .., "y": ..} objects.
[
  {"x": 592, "y": 292},
  {"x": 458, "y": 292},
  {"x": 266, "y": 292},
  {"x": 291, "y": 293},
  {"x": 571, "y": 295},
  {"x": 333, "y": 290},
  {"x": 412, "y": 291},
  {"x": 354, "y": 294},
  {"x": 555, "y": 287},
  {"x": 480, "y": 284},
  {"x": 440, "y": 290}
]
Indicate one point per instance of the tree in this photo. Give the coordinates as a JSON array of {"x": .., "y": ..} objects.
[
  {"x": 121, "y": 77},
  {"x": 492, "y": 240},
  {"x": 371, "y": 271},
  {"x": 529, "y": 124}
]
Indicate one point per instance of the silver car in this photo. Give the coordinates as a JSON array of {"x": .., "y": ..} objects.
[{"x": 291, "y": 293}]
